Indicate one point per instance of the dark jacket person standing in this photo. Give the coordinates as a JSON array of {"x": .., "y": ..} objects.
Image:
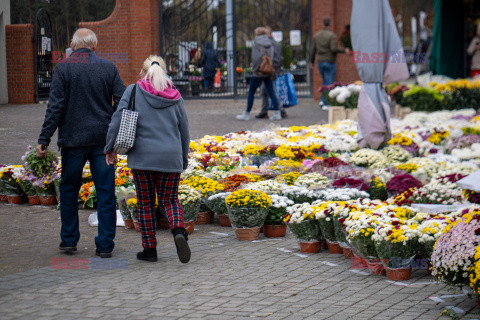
[
  {"x": 325, "y": 48},
  {"x": 80, "y": 106}
]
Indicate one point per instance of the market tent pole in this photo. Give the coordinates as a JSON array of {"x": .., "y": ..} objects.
[{"x": 379, "y": 57}]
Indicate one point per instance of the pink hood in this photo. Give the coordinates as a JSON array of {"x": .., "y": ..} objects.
[{"x": 170, "y": 93}]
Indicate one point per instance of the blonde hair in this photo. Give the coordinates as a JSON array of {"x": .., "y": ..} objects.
[
  {"x": 84, "y": 38},
  {"x": 260, "y": 30},
  {"x": 156, "y": 73}
]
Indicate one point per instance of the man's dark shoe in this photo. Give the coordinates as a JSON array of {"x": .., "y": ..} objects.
[
  {"x": 262, "y": 116},
  {"x": 284, "y": 114},
  {"x": 148, "y": 254},
  {"x": 183, "y": 250},
  {"x": 103, "y": 254},
  {"x": 67, "y": 248}
]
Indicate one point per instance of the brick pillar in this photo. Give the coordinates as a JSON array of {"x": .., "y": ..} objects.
[
  {"x": 128, "y": 36},
  {"x": 20, "y": 63},
  {"x": 339, "y": 12}
]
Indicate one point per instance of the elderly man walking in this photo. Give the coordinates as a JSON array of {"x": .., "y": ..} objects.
[{"x": 80, "y": 106}]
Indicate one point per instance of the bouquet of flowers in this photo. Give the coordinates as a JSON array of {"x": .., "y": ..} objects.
[
  {"x": 454, "y": 251},
  {"x": 314, "y": 179},
  {"x": 40, "y": 171},
  {"x": 8, "y": 180},
  {"x": 278, "y": 210},
  {"x": 302, "y": 222},
  {"x": 324, "y": 214},
  {"x": 132, "y": 207},
  {"x": 88, "y": 195},
  {"x": 360, "y": 226},
  {"x": 377, "y": 189},
  {"x": 121, "y": 194},
  {"x": 190, "y": 200},
  {"x": 247, "y": 208}
]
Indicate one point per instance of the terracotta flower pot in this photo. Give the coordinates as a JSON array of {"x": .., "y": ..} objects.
[
  {"x": 34, "y": 200},
  {"x": 162, "y": 224},
  {"x": 3, "y": 198},
  {"x": 347, "y": 252},
  {"x": 58, "y": 199},
  {"x": 48, "y": 200},
  {"x": 205, "y": 217},
  {"x": 137, "y": 226},
  {"x": 274, "y": 231},
  {"x": 129, "y": 224},
  {"x": 247, "y": 234},
  {"x": 261, "y": 229},
  {"x": 16, "y": 199},
  {"x": 399, "y": 274},
  {"x": 334, "y": 247},
  {"x": 189, "y": 226},
  {"x": 224, "y": 220},
  {"x": 309, "y": 246}
]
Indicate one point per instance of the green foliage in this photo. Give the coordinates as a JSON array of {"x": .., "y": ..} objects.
[
  {"x": 275, "y": 216},
  {"x": 287, "y": 56},
  {"x": 464, "y": 98},
  {"x": 423, "y": 99}
]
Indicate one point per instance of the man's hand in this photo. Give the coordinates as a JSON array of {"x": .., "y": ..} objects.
[
  {"x": 111, "y": 158},
  {"x": 41, "y": 151},
  {"x": 347, "y": 50}
]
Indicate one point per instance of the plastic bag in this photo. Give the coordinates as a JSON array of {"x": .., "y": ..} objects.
[{"x": 93, "y": 219}]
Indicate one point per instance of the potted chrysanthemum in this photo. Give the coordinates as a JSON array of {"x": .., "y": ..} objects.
[
  {"x": 247, "y": 210},
  {"x": 218, "y": 205},
  {"x": 303, "y": 224},
  {"x": 274, "y": 225},
  {"x": 121, "y": 193},
  {"x": 324, "y": 213},
  {"x": 190, "y": 199}
]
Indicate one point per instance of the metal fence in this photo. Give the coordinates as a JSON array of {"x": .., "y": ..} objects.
[{"x": 228, "y": 25}]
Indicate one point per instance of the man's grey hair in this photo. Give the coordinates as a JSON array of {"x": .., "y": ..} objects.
[
  {"x": 84, "y": 38},
  {"x": 326, "y": 22}
]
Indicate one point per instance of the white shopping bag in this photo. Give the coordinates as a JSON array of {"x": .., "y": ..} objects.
[
  {"x": 93, "y": 220},
  {"x": 470, "y": 182}
]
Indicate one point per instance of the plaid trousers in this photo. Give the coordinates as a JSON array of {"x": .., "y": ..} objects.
[{"x": 165, "y": 185}]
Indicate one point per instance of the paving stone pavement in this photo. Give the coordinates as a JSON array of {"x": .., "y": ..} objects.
[{"x": 226, "y": 279}]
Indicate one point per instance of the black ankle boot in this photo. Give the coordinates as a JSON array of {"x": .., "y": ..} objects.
[
  {"x": 148, "y": 254},
  {"x": 183, "y": 250}
]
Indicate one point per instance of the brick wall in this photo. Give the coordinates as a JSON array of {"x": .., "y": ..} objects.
[
  {"x": 339, "y": 12},
  {"x": 128, "y": 36},
  {"x": 20, "y": 63}
]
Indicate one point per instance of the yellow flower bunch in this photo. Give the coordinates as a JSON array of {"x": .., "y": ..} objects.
[
  {"x": 285, "y": 165},
  {"x": 401, "y": 140},
  {"x": 206, "y": 186},
  {"x": 253, "y": 177},
  {"x": 198, "y": 147},
  {"x": 407, "y": 167},
  {"x": 475, "y": 119},
  {"x": 438, "y": 136},
  {"x": 252, "y": 149},
  {"x": 288, "y": 178},
  {"x": 377, "y": 183},
  {"x": 455, "y": 84},
  {"x": 244, "y": 198},
  {"x": 474, "y": 272},
  {"x": 132, "y": 202},
  {"x": 291, "y": 152},
  {"x": 472, "y": 130}
]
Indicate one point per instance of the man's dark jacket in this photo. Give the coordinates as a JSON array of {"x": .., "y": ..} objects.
[{"x": 85, "y": 93}]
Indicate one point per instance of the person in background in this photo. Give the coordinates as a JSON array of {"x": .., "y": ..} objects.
[
  {"x": 325, "y": 49},
  {"x": 209, "y": 62},
  {"x": 159, "y": 154},
  {"x": 277, "y": 64},
  {"x": 80, "y": 106},
  {"x": 474, "y": 51},
  {"x": 261, "y": 44}
]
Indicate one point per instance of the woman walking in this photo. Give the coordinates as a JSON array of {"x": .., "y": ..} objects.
[
  {"x": 159, "y": 154},
  {"x": 262, "y": 45}
]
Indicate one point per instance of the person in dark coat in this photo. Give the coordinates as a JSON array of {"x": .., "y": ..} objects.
[
  {"x": 80, "y": 106},
  {"x": 209, "y": 64}
]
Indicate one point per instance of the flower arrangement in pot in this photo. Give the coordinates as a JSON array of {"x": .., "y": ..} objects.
[
  {"x": 219, "y": 206},
  {"x": 29, "y": 189},
  {"x": 88, "y": 195},
  {"x": 431, "y": 230},
  {"x": 304, "y": 225},
  {"x": 207, "y": 187},
  {"x": 247, "y": 210},
  {"x": 396, "y": 243},
  {"x": 132, "y": 208},
  {"x": 190, "y": 199},
  {"x": 11, "y": 189},
  {"x": 301, "y": 195},
  {"x": 325, "y": 213},
  {"x": 274, "y": 225}
]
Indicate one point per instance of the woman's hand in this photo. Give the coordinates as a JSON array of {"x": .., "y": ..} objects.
[{"x": 111, "y": 158}]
